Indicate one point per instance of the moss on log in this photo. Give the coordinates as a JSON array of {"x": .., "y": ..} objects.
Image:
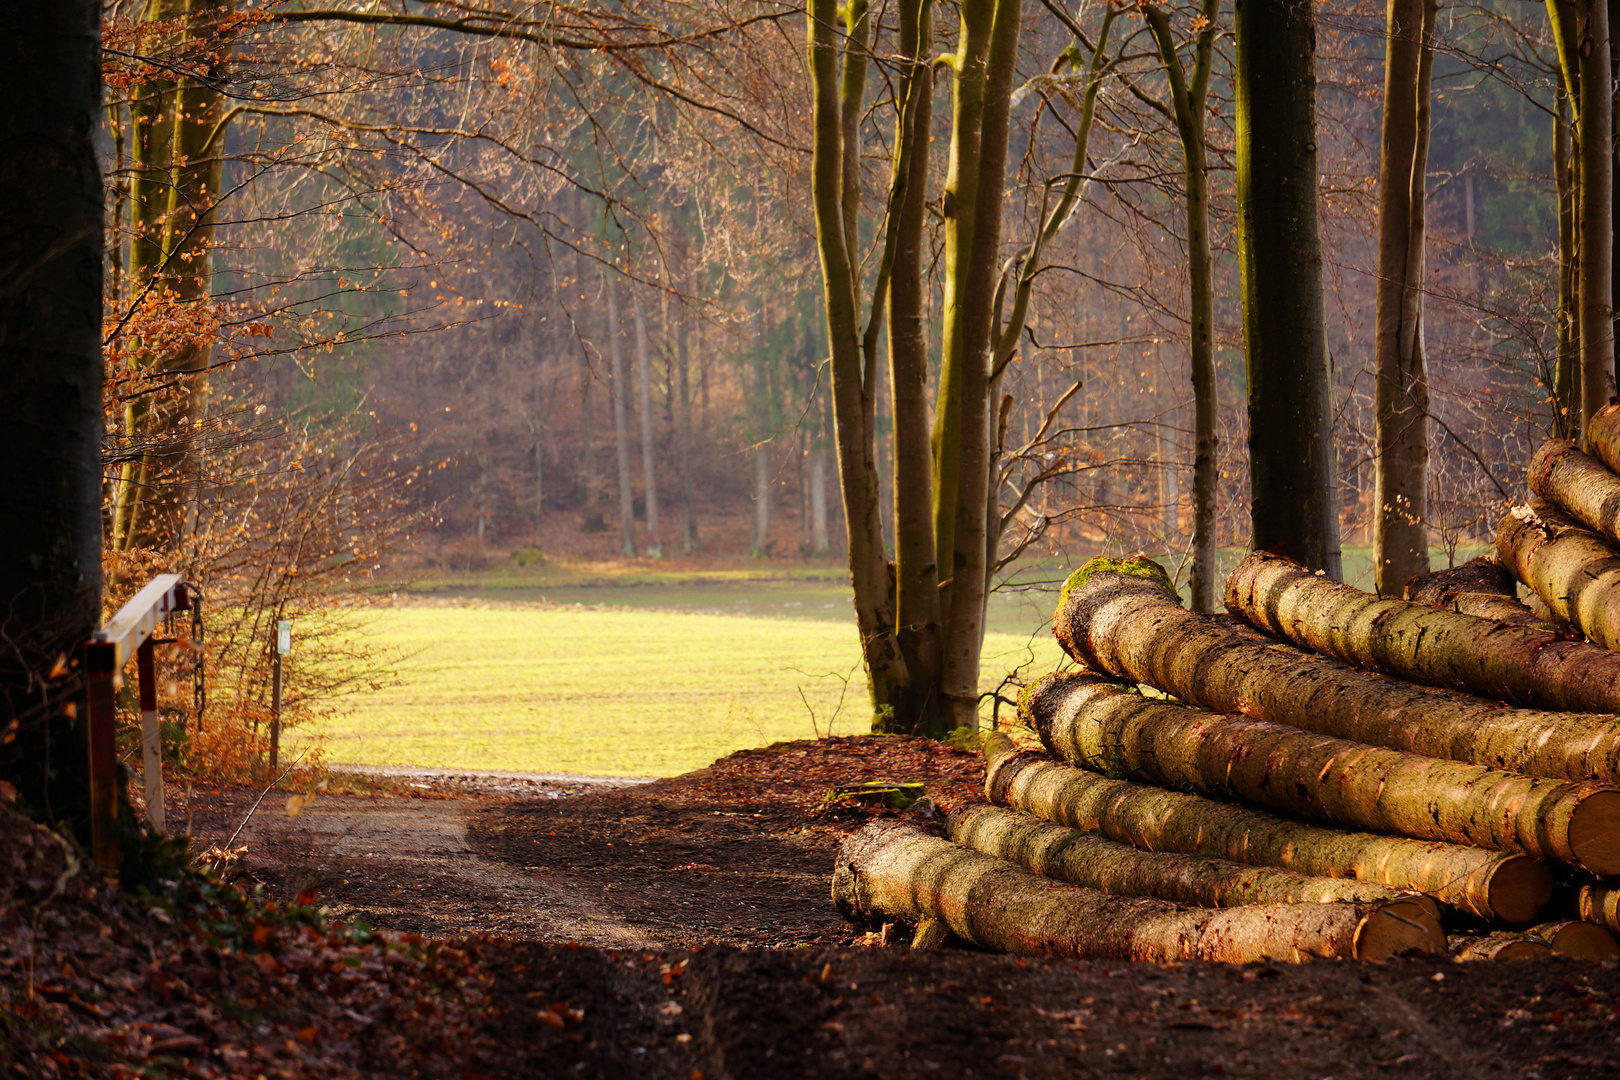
[
  {"x": 1481, "y": 586},
  {"x": 1091, "y": 860},
  {"x": 1423, "y": 644},
  {"x": 1491, "y": 885},
  {"x": 896, "y": 871},
  {"x": 1579, "y": 485},
  {"x": 1104, "y": 726},
  {"x": 1136, "y": 630},
  {"x": 1574, "y": 571}
]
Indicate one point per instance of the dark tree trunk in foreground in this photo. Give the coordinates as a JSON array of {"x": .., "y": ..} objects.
[
  {"x": 1291, "y": 461},
  {"x": 50, "y": 395}
]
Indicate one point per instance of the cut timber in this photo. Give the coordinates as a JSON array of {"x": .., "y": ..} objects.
[
  {"x": 1481, "y": 586},
  {"x": 1575, "y": 571},
  {"x": 1578, "y": 485},
  {"x": 1581, "y": 940},
  {"x": 1603, "y": 435},
  {"x": 1599, "y": 903},
  {"x": 1104, "y": 726},
  {"x": 1096, "y": 862},
  {"x": 1131, "y": 625},
  {"x": 893, "y": 870},
  {"x": 1489, "y": 884},
  {"x": 1424, "y": 644},
  {"x": 1499, "y": 947}
]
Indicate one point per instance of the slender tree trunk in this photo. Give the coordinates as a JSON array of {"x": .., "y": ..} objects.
[
  {"x": 539, "y": 452},
  {"x": 689, "y": 540},
  {"x": 1401, "y": 464},
  {"x": 1596, "y": 206},
  {"x": 621, "y": 426},
  {"x": 1295, "y": 509},
  {"x": 1566, "y": 381},
  {"x": 655, "y": 549},
  {"x": 50, "y": 398},
  {"x": 761, "y": 464},
  {"x": 819, "y": 544}
]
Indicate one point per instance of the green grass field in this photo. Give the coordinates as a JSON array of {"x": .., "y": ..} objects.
[{"x": 610, "y": 692}]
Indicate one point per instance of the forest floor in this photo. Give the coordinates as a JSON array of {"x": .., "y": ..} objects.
[{"x": 682, "y": 928}]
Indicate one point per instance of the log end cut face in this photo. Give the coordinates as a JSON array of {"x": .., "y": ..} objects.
[
  {"x": 1594, "y": 833},
  {"x": 1398, "y": 928},
  {"x": 1580, "y": 940},
  {"x": 1518, "y": 889}
]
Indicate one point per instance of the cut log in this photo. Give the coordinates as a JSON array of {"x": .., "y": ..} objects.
[
  {"x": 1481, "y": 586},
  {"x": 1498, "y": 947},
  {"x": 1581, "y": 940},
  {"x": 1572, "y": 569},
  {"x": 1100, "y": 725},
  {"x": 1424, "y": 644},
  {"x": 1603, "y": 435},
  {"x": 1599, "y": 903},
  {"x": 1578, "y": 485},
  {"x": 1491, "y": 885},
  {"x": 894, "y": 870},
  {"x": 1132, "y": 626},
  {"x": 1083, "y": 858}
]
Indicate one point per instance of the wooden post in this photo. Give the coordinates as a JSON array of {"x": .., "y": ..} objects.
[
  {"x": 151, "y": 735},
  {"x": 101, "y": 671}
]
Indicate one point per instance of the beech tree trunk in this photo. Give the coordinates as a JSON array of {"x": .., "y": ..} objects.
[
  {"x": 1489, "y": 884},
  {"x": 621, "y": 426},
  {"x": 1596, "y": 159},
  {"x": 1133, "y": 627},
  {"x": 655, "y": 549},
  {"x": 50, "y": 399},
  {"x": 1099, "y": 863},
  {"x": 891, "y": 871},
  {"x": 1574, "y": 571},
  {"x": 1401, "y": 464},
  {"x": 1426, "y": 645},
  {"x": 1102, "y": 726},
  {"x": 1482, "y": 587},
  {"x": 1291, "y": 457}
]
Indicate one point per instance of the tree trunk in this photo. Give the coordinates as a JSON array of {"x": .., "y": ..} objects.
[
  {"x": 1488, "y": 884},
  {"x": 50, "y": 396},
  {"x": 655, "y": 549},
  {"x": 1566, "y": 392},
  {"x": 621, "y": 426},
  {"x": 1596, "y": 208},
  {"x": 1295, "y": 509},
  {"x": 890, "y": 871},
  {"x": 819, "y": 543},
  {"x": 1423, "y": 644},
  {"x": 1100, "y": 725},
  {"x": 1482, "y": 587},
  {"x": 1574, "y": 571},
  {"x": 761, "y": 455},
  {"x": 1134, "y": 628},
  {"x": 1096, "y": 862},
  {"x": 689, "y": 540},
  {"x": 1401, "y": 464}
]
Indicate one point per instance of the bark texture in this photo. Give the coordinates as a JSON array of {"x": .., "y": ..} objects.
[
  {"x": 1134, "y": 628},
  {"x": 1599, "y": 902},
  {"x": 1413, "y": 641},
  {"x": 1498, "y": 947},
  {"x": 1489, "y": 884},
  {"x": 1579, "y": 485},
  {"x": 1088, "y": 859},
  {"x": 1482, "y": 587},
  {"x": 1574, "y": 571},
  {"x": 1603, "y": 436},
  {"x": 890, "y": 871},
  {"x": 1101, "y": 725}
]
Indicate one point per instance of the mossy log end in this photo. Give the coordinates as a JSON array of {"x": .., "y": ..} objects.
[
  {"x": 1490, "y": 885},
  {"x": 896, "y": 871},
  {"x": 1482, "y": 587},
  {"x": 1091, "y": 860},
  {"x": 1579, "y": 939},
  {"x": 1095, "y": 724},
  {"x": 1527, "y": 667},
  {"x": 1498, "y": 947},
  {"x": 1137, "y": 630},
  {"x": 1579, "y": 485},
  {"x": 1574, "y": 571}
]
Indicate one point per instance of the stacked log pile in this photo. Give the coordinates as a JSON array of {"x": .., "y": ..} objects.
[{"x": 1323, "y": 772}]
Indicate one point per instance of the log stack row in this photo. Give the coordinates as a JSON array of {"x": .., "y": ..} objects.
[{"x": 1323, "y": 772}]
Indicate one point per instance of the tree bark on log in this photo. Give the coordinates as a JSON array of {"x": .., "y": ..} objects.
[
  {"x": 1413, "y": 641},
  {"x": 1579, "y": 485},
  {"x": 1599, "y": 902},
  {"x": 1498, "y": 947},
  {"x": 1130, "y": 624},
  {"x": 1481, "y": 587},
  {"x": 1103, "y": 726},
  {"x": 1603, "y": 436},
  {"x": 1574, "y": 571},
  {"x": 1492, "y": 885},
  {"x": 1095, "y": 862},
  {"x": 894, "y": 871}
]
